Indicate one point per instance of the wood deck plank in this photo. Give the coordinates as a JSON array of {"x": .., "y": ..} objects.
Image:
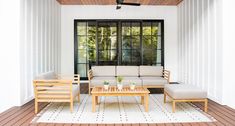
[
  {"x": 28, "y": 118},
  {"x": 152, "y": 125},
  {"x": 135, "y": 124},
  {"x": 16, "y": 109},
  {"x": 16, "y": 114},
  {"x": 61, "y": 124},
  {"x": 8, "y": 111},
  {"x": 67, "y": 124},
  {"x": 169, "y": 124},
  {"x": 160, "y": 124},
  {"x": 28, "y": 112},
  {"x": 220, "y": 120},
  {"x": 177, "y": 124},
  {"x": 117, "y": 124},
  {"x": 186, "y": 124}
]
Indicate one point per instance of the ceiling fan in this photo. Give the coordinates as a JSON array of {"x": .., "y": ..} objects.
[{"x": 121, "y": 2}]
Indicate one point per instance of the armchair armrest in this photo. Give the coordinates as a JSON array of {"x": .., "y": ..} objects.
[
  {"x": 166, "y": 75},
  {"x": 74, "y": 77}
]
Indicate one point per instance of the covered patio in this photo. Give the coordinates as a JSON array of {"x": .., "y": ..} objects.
[{"x": 135, "y": 48}]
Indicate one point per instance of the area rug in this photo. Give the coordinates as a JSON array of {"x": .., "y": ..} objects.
[{"x": 121, "y": 110}]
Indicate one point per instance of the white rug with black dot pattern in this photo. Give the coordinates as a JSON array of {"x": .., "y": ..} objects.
[{"x": 121, "y": 110}]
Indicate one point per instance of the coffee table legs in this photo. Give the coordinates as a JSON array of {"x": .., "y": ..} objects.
[
  {"x": 96, "y": 100},
  {"x": 146, "y": 103},
  {"x": 142, "y": 100},
  {"x": 93, "y": 103}
]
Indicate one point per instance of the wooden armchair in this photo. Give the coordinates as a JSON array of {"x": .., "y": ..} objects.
[{"x": 56, "y": 91}]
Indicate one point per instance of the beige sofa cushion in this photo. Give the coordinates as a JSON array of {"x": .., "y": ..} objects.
[
  {"x": 106, "y": 71},
  {"x": 127, "y": 80},
  {"x": 47, "y": 76},
  {"x": 153, "y": 81},
  {"x": 98, "y": 81},
  {"x": 151, "y": 71},
  {"x": 129, "y": 71},
  {"x": 184, "y": 91}
]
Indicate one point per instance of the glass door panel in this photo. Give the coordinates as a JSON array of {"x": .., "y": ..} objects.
[
  {"x": 107, "y": 43},
  {"x": 86, "y": 46},
  {"x": 130, "y": 43}
]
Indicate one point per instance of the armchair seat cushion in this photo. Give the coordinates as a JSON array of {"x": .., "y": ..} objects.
[
  {"x": 153, "y": 81},
  {"x": 127, "y": 80},
  {"x": 184, "y": 91},
  {"x": 98, "y": 81}
]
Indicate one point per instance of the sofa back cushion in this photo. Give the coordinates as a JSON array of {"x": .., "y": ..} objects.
[
  {"x": 151, "y": 71},
  {"x": 130, "y": 71},
  {"x": 47, "y": 76},
  {"x": 107, "y": 71}
]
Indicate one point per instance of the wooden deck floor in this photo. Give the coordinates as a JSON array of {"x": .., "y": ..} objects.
[{"x": 22, "y": 116}]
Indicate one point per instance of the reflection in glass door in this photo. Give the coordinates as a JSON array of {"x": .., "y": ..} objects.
[
  {"x": 130, "y": 43},
  {"x": 107, "y": 43},
  {"x": 86, "y": 47}
]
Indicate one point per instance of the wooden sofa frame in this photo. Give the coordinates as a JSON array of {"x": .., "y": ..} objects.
[
  {"x": 166, "y": 75},
  {"x": 55, "y": 91},
  {"x": 174, "y": 101}
]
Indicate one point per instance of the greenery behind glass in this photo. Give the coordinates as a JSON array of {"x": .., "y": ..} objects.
[{"x": 137, "y": 39}]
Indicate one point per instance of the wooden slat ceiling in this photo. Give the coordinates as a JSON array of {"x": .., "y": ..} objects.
[{"x": 113, "y": 2}]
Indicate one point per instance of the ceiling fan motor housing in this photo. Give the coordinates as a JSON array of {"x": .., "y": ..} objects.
[{"x": 119, "y": 1}]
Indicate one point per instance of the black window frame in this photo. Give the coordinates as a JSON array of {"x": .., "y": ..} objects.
[{"x": 119, "y": 40}]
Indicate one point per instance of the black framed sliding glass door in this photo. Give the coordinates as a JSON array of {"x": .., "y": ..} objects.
[{"x": 117, "y": 42}]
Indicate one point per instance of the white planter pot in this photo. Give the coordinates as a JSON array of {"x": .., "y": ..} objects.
[
  {"x": 119, "y": 86},
  {"x": 132, "y": 87},
  {"x": 106, "y": 87}
]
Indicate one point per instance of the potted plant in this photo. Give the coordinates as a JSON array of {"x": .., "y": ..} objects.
[
  {"x": 106, "y": 85},
  {"x": 119, "y": 82},
  {"x": 132, "y": 85}
]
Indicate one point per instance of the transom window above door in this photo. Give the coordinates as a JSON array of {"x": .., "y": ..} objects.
[{"x": 117, "y": 42}]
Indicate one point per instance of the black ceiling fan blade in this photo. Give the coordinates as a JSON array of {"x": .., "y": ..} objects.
[
  {"x": 132, "y": 4},
  {"x": 121, "y": 2}
]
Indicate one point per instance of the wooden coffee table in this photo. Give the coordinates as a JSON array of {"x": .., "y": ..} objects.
[{"x": 126, "y": 91}]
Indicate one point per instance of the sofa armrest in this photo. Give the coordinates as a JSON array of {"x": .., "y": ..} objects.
[
  {"x": 76, "y": 78},
  {"x": 166, "y": 75},
  {"x": 90, "y": 75}
]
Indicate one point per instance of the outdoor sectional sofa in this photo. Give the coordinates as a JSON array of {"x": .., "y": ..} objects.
[{"x": 147, "y": 76}]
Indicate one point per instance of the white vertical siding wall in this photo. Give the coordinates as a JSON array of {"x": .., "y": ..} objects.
[
  {"x": 40, "y": 42},
  {"x": 228, "y": 52},
  {"x": 9, "y": 53},
  {"x": 200, "y": 45}
]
